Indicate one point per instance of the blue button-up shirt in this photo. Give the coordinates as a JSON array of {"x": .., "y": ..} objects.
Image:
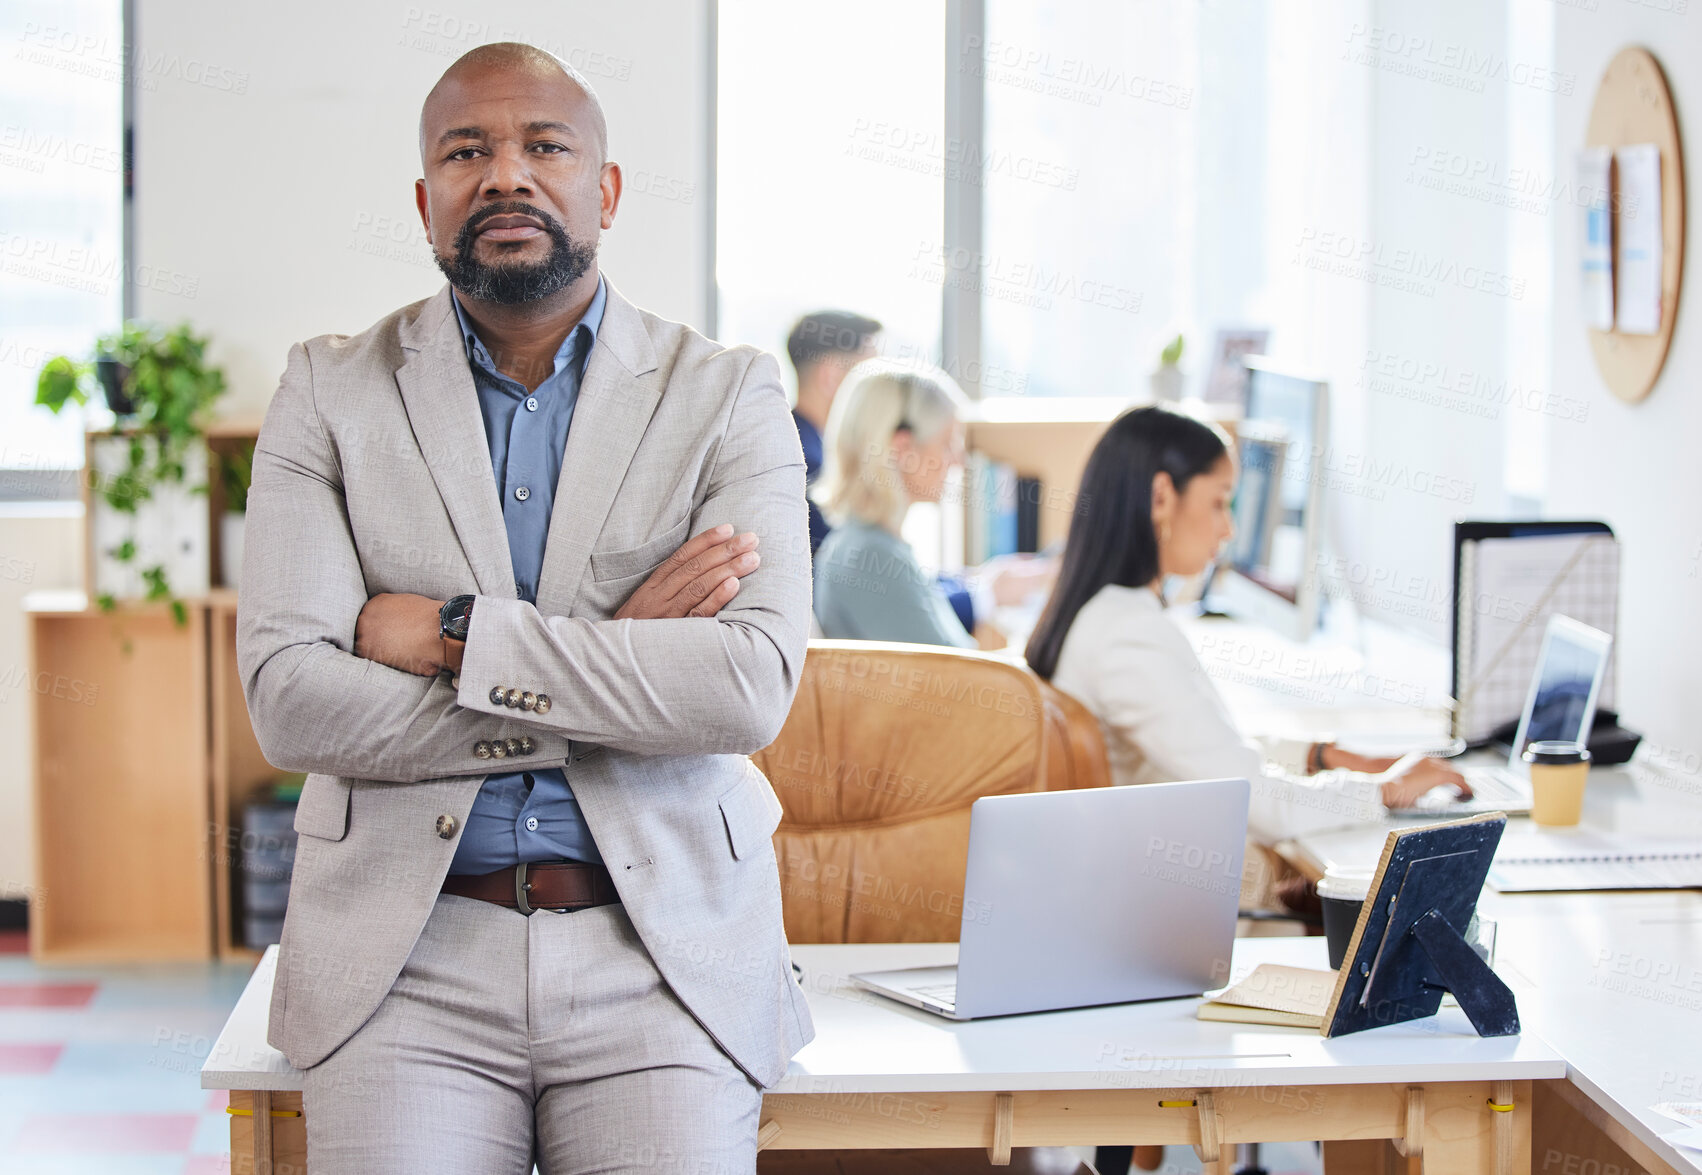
[{"x": 527, "y": 815}]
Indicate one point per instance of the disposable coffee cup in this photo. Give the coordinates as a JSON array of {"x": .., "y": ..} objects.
[
  {"x": 1559, "y": 771},
  {"x": 1341, "y": 892}
]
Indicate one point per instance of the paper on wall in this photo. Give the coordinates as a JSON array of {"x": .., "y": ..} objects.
[
  {"x": 1595, "y": 254},
  {"x": 1639, "y": 271}
]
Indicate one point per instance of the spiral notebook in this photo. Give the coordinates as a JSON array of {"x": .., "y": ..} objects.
[{"x": 1587, "y": 859}]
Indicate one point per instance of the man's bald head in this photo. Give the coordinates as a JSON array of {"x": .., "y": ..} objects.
[{"x": 487, "y": 63}]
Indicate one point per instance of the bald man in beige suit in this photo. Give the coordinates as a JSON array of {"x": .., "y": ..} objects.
[{"x": 567, "y": 685}]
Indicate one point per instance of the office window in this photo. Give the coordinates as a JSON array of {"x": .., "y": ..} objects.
[
  {"x": 830, "y": 155},
  {"x": 1090, "y": 201},
  {"x": 62, "y": 267}
]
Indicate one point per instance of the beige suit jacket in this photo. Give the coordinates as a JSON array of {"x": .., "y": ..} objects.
[{"x": 372, "y": 474}]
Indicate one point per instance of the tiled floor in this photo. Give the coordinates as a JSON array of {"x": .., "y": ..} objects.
[
  {"x": 100, "y": 1071},
  {"x": 100, "y": 1068}
]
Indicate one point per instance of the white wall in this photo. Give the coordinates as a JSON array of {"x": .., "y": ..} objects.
[
  {"x": 276, "y": 150},
  {"x": 274, "y": 189},
  {"x": 1635, "y": 466},
  {"x": 1444, "y": 461}
]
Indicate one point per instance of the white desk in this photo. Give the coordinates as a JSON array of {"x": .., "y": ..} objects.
[
  {"x": 1365, "y": 679},
  {"x": 880, "y": 1074},
  {"x": 1612, "y": 980}
]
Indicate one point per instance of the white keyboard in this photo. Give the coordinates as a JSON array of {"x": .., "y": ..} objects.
[
  {"x": 1497, "y": 786},
  {"x": 939, "y": 993},
  {"x": 1494, "y": 789}
]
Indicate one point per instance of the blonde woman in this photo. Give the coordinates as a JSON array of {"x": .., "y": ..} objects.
[{"x": 893, "y": 435}]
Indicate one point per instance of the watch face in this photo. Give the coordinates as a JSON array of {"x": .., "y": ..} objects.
[{"x": 454, "y": 617}]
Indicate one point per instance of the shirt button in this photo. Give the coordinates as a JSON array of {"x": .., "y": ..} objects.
[
  {"x": 522, "y": 493},
  {"x": 531, "y": 403},
  {"x": 531, "y": 824}
]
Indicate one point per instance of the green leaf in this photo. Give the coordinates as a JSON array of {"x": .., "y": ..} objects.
[
  {"x": 154, "y": 577},
  {"x": 105, "y": 602},
  {"x": 61, "y": 381}
]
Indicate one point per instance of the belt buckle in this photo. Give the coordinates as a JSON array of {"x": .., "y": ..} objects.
[{"x": 520, "y": 888}]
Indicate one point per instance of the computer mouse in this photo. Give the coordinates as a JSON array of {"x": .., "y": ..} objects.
[{"x": 1442, "y": 796}]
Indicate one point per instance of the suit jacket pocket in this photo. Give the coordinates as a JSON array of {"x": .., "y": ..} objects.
[
  {"x": 642, "y": 559},
  {"x": 751, "y": 812},
  {"x": 324, "y": 808}
]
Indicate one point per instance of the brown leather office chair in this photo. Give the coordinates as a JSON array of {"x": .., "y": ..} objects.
[{"x": 884, "y": 751}]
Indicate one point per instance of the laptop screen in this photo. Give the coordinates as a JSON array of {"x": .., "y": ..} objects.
[{"x": 1563, "y": 696}]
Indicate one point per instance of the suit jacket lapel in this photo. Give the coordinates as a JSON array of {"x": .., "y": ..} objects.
[
  {"x": 443, "y": 407},
  {"x": 616, "y": 400}
]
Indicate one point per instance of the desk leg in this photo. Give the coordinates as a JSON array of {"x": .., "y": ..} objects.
[
  {"x": 268, "y": 1135},
  {"x": 262, "y": 1132},
  {"x": 1211, "y": 1146}
]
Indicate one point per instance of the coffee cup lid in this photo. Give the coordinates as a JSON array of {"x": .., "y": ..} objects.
[
  {"x": 1556, "y": 752},
  {"x": 1346, "y": 885}
]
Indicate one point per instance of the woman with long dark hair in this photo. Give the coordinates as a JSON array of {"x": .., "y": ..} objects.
[{"x": 1154, "y": 502}]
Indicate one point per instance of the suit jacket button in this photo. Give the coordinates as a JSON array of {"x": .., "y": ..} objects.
[
  {"x": 498, "y": 695},
  {"x": 513, "y": 747},
  {"x": 511, "y": 699},
  {"x": 499, "y": 749},
  {"x": 543, "y": 706},
  {"x": 528, "y": 700},
  {"x": 455, "y": 681},
  {"x": 446, "y": 826},
  {"x": 528, "y": 744},
  {"x": 481, "y": 750}
]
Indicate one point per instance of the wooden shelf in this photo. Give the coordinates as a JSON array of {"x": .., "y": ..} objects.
[
  {"x": 1050, "y": 437},
  {"x": 145, "y": 758},
  {"x": 121, "y": 813}
]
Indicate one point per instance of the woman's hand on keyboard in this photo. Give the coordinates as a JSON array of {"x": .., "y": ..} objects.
[{"x": 1405, "y": 789}]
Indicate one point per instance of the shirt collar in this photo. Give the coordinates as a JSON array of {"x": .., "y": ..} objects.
[{"x": 589, "y": 325}]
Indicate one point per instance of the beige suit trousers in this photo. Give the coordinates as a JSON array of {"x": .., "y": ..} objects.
[{"x": 509, "y": 1040}]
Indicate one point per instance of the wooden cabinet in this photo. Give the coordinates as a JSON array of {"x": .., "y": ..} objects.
[{"x": 144, "y": 759}]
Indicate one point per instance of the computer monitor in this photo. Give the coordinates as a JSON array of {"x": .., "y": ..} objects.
[
  {"x": 1268, "y": 573},
  {"x": 1561, "y": 705}
]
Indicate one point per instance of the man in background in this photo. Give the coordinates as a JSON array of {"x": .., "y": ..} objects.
[{"x": 823, "y": 346}]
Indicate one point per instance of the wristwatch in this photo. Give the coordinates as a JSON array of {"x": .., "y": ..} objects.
[{"x": 454, "y": 617}]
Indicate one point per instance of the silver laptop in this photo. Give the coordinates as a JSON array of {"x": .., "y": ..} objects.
[
  {"x": 1097, "y": 896},
  {"x": 1560, "y": 705}
]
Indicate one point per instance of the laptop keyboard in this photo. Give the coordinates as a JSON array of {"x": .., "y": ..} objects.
[
  {"x": 1495, "y": 785},
  {"x": 940, "y": 993}
]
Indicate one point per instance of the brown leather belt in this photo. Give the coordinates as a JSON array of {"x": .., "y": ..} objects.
[{"x": 538, "y": 885}]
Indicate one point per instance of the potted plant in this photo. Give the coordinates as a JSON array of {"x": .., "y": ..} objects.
[
  {"x": 1167, "y": 380},
  {"x": 236, "y": 473},
  {"x": 148, "y": 469}
]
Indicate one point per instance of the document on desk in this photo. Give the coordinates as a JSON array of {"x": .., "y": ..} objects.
[
  {"x": 1292, "y": 997},
  {"x": 1687, "y": 1113},
  {"x": 1585, "y": 859}
]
